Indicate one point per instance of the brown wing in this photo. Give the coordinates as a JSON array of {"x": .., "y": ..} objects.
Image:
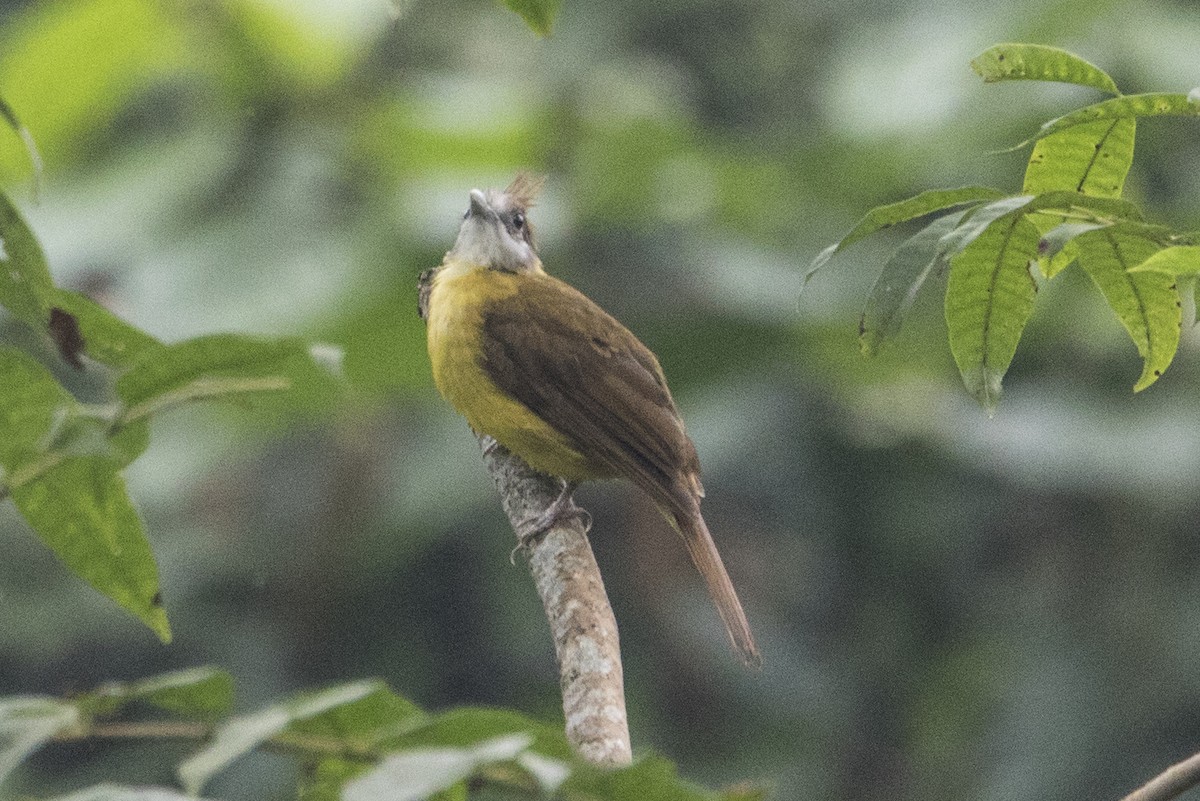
[
  {"x": 586, "y": 375},
  {"x": 581, "y": 371}
]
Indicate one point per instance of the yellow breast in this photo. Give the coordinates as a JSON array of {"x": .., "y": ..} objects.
[{"x": 458, "y": 302}]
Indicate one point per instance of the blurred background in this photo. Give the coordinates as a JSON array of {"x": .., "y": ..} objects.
[{"x": 949, "y": 606}]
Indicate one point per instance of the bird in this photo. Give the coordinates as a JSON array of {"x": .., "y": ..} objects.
[{"x": 535, "y": 364}]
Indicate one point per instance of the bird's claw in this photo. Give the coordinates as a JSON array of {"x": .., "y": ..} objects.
[{"x": 529, "y": 531}]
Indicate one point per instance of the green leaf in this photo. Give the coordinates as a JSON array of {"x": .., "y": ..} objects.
[
  {"x": 114, "y": 792},
  {"x": 651, "y": 778},
  {"x": 989, "y": 298},
  {"x": 1179, "y": 261},
  {"x": 325, "y": 780},
  {"x": 1158, "y": 104},
  {"x": 1147, "y": 303},
  {"x": 417, "y": 774},
  {"x": 128, "y": 441},
  {"x": 1109, "y": 209},
  {"x": 80, "y": 509},
  {"x": 539, "y": 15},
  {"x": 242, "y": 734},
  {"x": 1092, "y": 159},
  {"x": 218, "y": 366},
  {"x": 27, "y": 290},
  {"x": 1031, "y": 62},
  {"x": 31, "y": 402},
  {"x": 175, "y": 366},
  {"x": 363, "y": 722},
  {"x": 203, "y": 692},
  {"x": 24, "y": 277},
  {"x": 896, "y": 288},
  {"x": 26, "y": 722},
  {"x": 882, "y": 217},
  {"x": 469, "y": 725},
  {"x": 106, "y": 337},
  {"x": 35, "y": 158}
]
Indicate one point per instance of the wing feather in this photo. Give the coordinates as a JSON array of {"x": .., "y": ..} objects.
[{"x": 582, "y": 372}]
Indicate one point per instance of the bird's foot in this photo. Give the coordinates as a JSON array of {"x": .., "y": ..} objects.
[{"x": 533, "y": 528}]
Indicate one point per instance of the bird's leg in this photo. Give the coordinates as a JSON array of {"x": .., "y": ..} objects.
[{"x": 563, "y": 507}]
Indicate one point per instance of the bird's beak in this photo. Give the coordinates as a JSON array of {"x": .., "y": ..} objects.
[{"x": 479, "y": 206}]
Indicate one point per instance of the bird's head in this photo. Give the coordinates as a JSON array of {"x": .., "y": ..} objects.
[{"x": 496, "y": 232}]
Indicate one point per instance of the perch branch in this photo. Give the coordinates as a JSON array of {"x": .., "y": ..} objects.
[
  {"x": 1172, "y": 782},
  {"x": 581, "y": 620}
]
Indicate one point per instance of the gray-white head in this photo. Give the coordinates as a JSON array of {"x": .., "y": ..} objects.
[{"x": 495, "y": 231}]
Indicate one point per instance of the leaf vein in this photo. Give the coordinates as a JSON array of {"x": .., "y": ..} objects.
[
  {"x": 1143, "y": 311},
  {"x": 1087, "y": 171},
  {"x": 993, "y": 281}
]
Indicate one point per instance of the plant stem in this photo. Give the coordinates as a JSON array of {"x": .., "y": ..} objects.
[{"x": 1172, "y": 782}]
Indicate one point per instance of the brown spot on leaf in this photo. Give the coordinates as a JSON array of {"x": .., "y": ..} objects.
[{"x": 64, "y": 330}]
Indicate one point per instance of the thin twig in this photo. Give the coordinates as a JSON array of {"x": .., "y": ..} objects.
[
  {"x": 149, "y": 730},
  {"x": 284, "y": 742},
  {"x": 581, "y": 619},
  {"x": 1172, "y": 782}
]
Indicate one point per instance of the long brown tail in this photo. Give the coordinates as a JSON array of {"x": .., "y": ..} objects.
[{"x": 708, "y": 561}]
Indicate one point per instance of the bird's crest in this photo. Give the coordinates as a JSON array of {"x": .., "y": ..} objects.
[{"x": 525, "y": 188}]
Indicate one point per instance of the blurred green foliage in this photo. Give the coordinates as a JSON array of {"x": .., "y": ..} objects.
[
  {"x": 357, "y": 742},
  {"x": 949, "y": 605}
]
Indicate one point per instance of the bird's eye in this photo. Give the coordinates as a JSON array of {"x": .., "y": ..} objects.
[
  {"x": 467, "y": 213},
  {"x": 518, "y": 221}
]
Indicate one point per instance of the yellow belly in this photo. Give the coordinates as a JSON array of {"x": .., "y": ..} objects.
[{"x": 457, "y": 302}]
